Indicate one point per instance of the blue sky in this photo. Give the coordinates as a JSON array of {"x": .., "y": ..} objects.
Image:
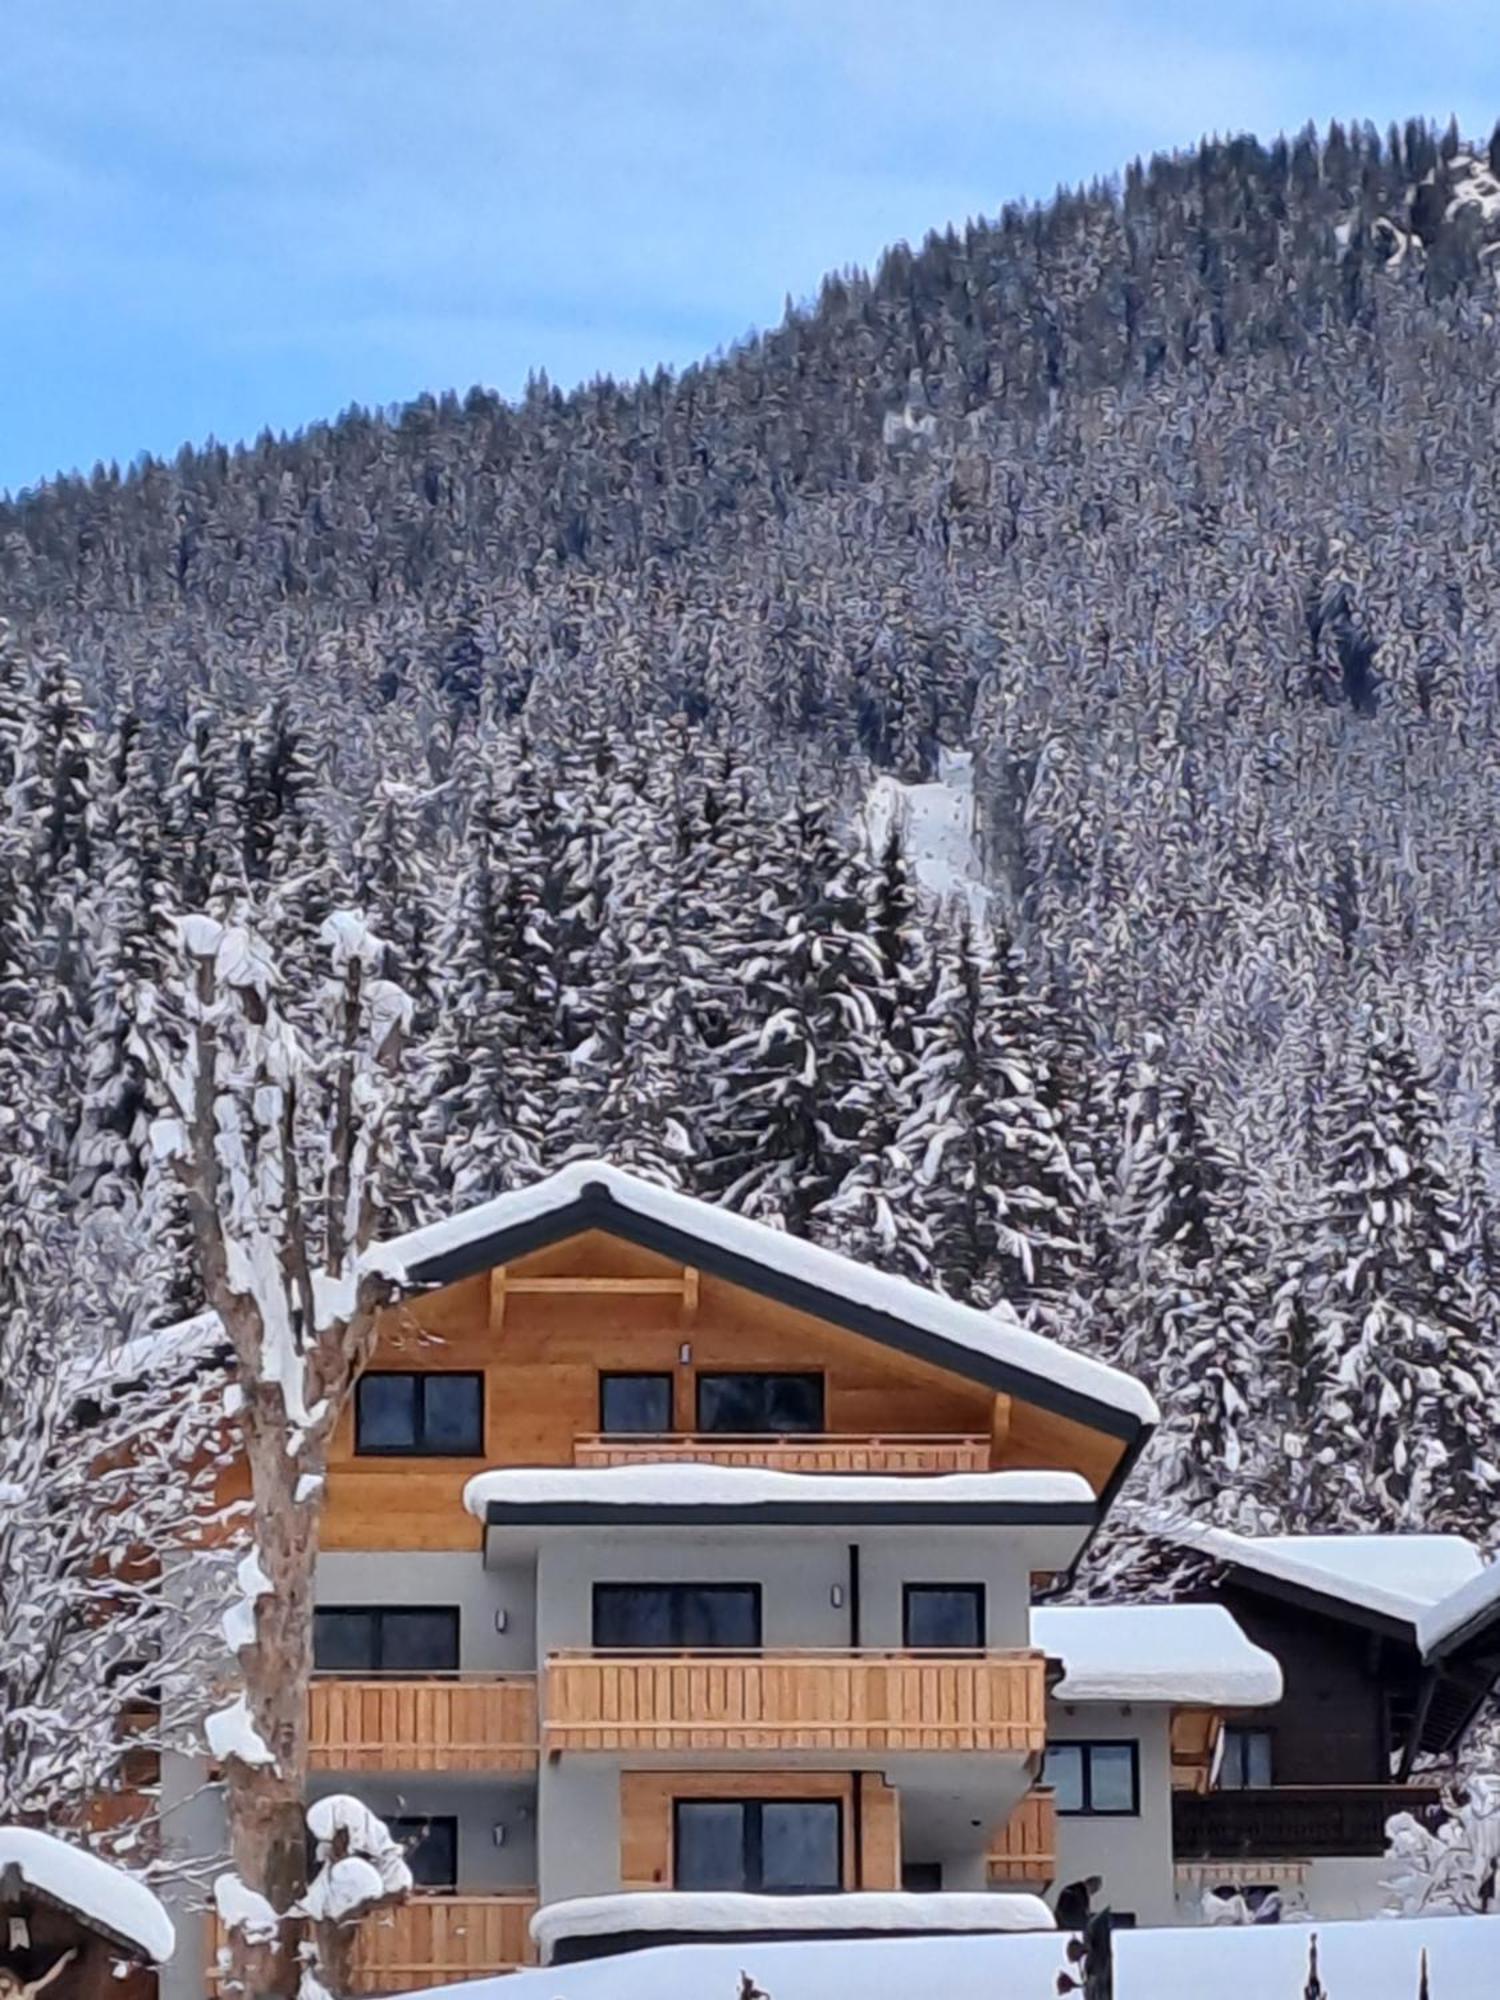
[{"x": 217, "y": 215}]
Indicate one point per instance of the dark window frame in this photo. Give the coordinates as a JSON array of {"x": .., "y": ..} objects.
[
  {"x": 380, "y": 1612},
  {"x": 752, "y": 1842},
  {"x": 679, "y": 1584},
  {"x": 608, "y": 1375},
  {"x": 705, "y": 1375},
  {"x": 1085, "y": 1744},
  {"x": 421, "y": 1377},
  {"x": 426, "y": 1821},
  {"x": 981, "y": 1623},
  {"x": 1240, "y": 1733}
]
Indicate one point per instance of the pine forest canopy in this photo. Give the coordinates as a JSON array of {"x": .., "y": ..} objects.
[{"x": 1170, "y": 501}]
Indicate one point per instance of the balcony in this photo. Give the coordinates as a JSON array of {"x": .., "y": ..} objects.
[
  {"x": 1291, "y": 1822},
  {"x": 790, "y": 1452},
  {"x": 429, "y": 1941},
  {"x": 778, "y": 1701},
  {"x": 436, "y": 1722},
  {"x": 1024, "y": 1853}
]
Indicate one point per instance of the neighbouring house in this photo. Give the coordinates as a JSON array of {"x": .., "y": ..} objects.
[
  {"x": 1388, "y": 1646},
  {"x": 73, "y": 1925}
]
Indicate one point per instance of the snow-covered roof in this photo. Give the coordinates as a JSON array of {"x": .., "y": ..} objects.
[
  {"x": 572, "y": 1493},
  {"x": 993, "y": 1344},
  {"x": 1178, "y": 1653},
  {"x": 857, "y": 1910},
  {"x": 1392, "y": 1576},
  {"x": 1475, "y": 1602},
  {"x": 103, "y": 1896}
]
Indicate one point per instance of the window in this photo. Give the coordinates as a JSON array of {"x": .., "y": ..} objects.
[
  {"x": 677, "y": 1614},
  {"x": 437, "y": 1416},
  {"x": 921, "y": 1878},
  {"x": 950, "y": 1615},
  {"x": 431, "y": 1850},
  {"x": 774, "y": 1847},
  {"x": 386, "y": 1639},
  {"x": 635, "y": 1403},
  {"x": 747, "y": 1403},
  {"x": 1246, "y": 1761},
  {"x": 1097, "y": 1778}
]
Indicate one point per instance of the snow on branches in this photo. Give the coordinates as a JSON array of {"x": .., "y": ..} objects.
[{"x": 276, "y": 1107}]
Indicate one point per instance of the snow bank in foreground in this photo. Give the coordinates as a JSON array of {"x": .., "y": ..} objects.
[
  {"x": 100, "y": 1893},
  {"x": 1378, "y": 1959},
  {"x": 958, "y": 1968},
  {"x": 861, "y": 1910},
  {"x": 1374, "y": 1960}
]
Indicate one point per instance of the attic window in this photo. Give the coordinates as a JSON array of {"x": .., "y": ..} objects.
[
  {"x": 760, "y": 1404},
  {"x": 419, "y": 1416}
]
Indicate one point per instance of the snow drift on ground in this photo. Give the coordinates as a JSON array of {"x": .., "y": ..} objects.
[
  {"x": 1374, "y": 1960},
  {"x": 102, "y": 1894}
]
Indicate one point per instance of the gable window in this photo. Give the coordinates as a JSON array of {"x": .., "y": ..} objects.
[
  {"x": 760, "y": 1403},
  {"x": 686, "y": 1615},
  {"x": 635, "y": 1403},
  {"x": 419, "y": 1416},
  {"x": 1094, "y": 1779},
  {"x": 431, "y": 1849},
  {"x": 770, "y": 1847},
  {"x": 947, "y": 1615},
  {"x": 385, "y": 1639},
  {"x": 1245, "y": 1763}
]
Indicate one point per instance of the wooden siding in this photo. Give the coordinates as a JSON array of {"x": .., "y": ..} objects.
[
  {"x": 846, "y": 1701},
  {"x": 1195, "y": 1742},
  {"x": 390, "y": 1723},
  {"x": 542, "y": 1351},
  {"x": 647, "y": 1799},
  {"x": 792, "y": 1453},
  {"x": 1024, "y": 1853},
  {"x": 430, "y": 1941}
]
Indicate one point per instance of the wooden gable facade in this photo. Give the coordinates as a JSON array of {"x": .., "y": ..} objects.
[{"x": 541, "y": 1328}]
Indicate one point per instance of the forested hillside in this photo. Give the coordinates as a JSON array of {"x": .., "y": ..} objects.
[{"x": 1173, "y": 502}]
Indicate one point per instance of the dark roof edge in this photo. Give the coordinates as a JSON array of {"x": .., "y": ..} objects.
[
  {"x": 1326, "y": 1604},
  {"x": 596, "y": 1208},
  {"x": 792, "y": 1513}
]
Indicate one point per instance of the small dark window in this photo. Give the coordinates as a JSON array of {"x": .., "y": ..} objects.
[
  {"x": 947, "y": 1615},
  {"x": 760, "y": 1403},
  {"x": 1245, "y": 1764},
  {"x": 1099, "y": 1779},
  {"x": 687, "y": 1615},
  {"x": 386, "y": 1639},
  {"x": 432, "y": 1416},
  {"x": 921, "y": 1878},
  {"x": 635, "y": 1403},
  {"x": 773, "y": 1847},
  {"x": 431, "y": 1849}
]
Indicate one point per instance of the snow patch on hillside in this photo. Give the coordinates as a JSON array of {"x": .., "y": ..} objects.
[{"x": 937, "y": 823}]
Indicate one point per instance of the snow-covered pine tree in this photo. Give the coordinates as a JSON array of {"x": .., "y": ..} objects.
[
  {"x": 990, "y": 1179},
  {"x": 807, "y": 1072},
  {"x": 1187, "y": 1294},
  {"x": 282, "y": 1147},
  {"x": 1391, "y": 1290}
]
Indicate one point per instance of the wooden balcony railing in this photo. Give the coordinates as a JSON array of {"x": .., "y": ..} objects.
[
  {"x": 791, "y": 1452},
  {"x": 430, "y": 1941},
  {"x": 437, "y": 1722},
  {"x": 851, "y": 1700},
  {"x": 1024, "y": 1853},
  {"x": 1291, "y": 1822}
]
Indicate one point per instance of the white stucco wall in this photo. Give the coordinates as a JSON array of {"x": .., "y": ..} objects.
[{"x": 1132, "y": 1853}]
